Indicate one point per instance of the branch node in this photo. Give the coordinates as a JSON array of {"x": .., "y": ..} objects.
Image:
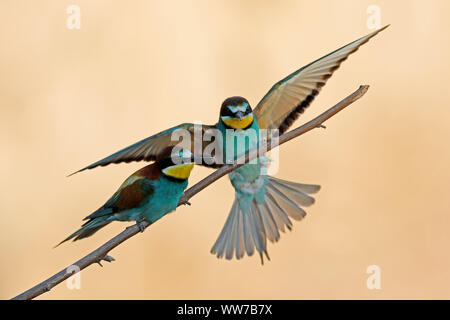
[{"x": 106, "y": 258}]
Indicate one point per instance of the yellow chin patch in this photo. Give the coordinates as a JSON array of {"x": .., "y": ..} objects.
[
  {"x": 237, "y": 123},
  {"x": 179, "y": 171}
]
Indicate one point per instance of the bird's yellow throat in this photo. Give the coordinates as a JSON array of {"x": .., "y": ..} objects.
[
  {"x": 236, "y": 123},
  {"x": 179, "y": 171}
]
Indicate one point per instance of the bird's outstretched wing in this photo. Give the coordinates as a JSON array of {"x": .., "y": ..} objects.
[
  {"x": 288, "y": 98},
  {"x": 148, "y": 149}
]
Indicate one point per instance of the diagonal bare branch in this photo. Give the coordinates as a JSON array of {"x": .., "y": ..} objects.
[{"x": 101, "y": 253}]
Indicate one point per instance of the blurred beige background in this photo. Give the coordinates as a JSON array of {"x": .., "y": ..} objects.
[{"x": 71, "y": 97}]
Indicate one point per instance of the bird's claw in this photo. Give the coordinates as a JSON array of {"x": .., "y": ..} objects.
[
  {"x": 321, "y": 126},
  {"x": 141, "y": 227},
  {"x": 187, "y": 203}
]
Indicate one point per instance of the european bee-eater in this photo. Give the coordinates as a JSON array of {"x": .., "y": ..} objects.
[
  {"x": 146, "y": 195},
  {"x": 263, "y": 205}
]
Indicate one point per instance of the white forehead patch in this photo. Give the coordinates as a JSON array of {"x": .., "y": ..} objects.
[
  {"x": 180, "y": 156},
  {"x": 185, "y": 153},
  {"x": 241, "y": 107}
]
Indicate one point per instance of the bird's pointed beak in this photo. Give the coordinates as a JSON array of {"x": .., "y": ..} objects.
[
  {"x": 239, "y": 114},
  {"x": 200, "y": 158},
  {"x": 197, "y": 157}
]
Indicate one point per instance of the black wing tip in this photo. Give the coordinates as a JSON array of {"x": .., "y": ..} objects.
[
  {"x": 385, "y": 27},
  {"x": 89, "y": 168},
  {"x": 93, "y": 166},
  {"x": 74, "y": 173},
  {"x": 85, "y": 168},
  {"x": 65, "y": 240},
  {"x": 56, "y": 246},
  {"x": 374, "y": 33}
]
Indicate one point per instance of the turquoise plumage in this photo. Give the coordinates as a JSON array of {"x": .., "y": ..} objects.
[
  {"x": 263, "y": 205},
  {"x": 146, "y": 195}
]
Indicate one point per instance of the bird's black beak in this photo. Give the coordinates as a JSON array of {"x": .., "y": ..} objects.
[
  {"x": 203, "y": 159},
  {"x": 239, "y": 115},
  {"x": 199, "y": 158}
]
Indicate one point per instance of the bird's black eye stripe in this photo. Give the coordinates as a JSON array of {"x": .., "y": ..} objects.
[
  {"x": 167, "y": 162},
  {"x": 234, "y": 102},
  {"x": 226, "y": 112},
  {"x": 164, "y": 163}
]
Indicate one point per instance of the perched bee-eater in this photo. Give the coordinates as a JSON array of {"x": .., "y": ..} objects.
[
  {"x": 146, "y": 195},
  {"x": 263, "y": 205}
]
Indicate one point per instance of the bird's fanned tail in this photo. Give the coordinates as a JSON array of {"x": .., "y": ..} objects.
[{"x": 245, "y": 231}]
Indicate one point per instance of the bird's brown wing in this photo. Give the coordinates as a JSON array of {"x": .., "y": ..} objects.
[
  {"x": 150, "y": 148},
  {"x": 288, "y": 98}
]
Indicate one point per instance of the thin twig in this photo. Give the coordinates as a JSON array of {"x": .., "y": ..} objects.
[{"x": 101, "y": 253}]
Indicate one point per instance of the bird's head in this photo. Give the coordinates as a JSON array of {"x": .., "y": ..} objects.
[
  {"x": 176, "y": 163},
  {"x": 236, "y": 113}
]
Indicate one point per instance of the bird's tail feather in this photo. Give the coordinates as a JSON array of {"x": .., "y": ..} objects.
[
  {"x": 245, "y": 231},
  {"x": 87, "y": 229}
]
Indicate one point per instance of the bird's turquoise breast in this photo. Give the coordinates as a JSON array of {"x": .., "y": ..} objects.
[
  {"x": 238, "y": 142},
  {"x": 247, "y": 180},
  {"x": 164, "y": 199}
]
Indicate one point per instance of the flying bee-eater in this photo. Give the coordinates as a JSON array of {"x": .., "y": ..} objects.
[
  {"x": 263, "y": 205},
  {"x": 146, "y": 195}
]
